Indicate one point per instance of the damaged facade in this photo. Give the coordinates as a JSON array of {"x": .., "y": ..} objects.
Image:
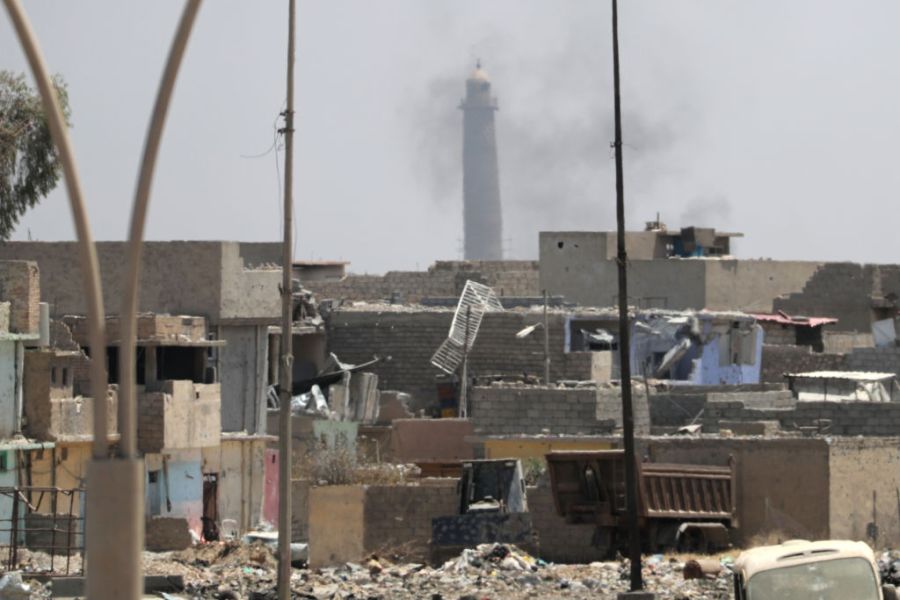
[{"x": 380, "y": 438}]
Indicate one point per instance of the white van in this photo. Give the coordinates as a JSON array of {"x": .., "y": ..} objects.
[{"x": 802, "y": 570}]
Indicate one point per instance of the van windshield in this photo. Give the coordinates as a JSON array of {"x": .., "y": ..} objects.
[{"x": 838, "y": 579}]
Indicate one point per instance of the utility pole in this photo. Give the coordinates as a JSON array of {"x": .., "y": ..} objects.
[
  {"x": 546, "y": 342},
  {"x": 287, "y": 321},
  {"x": 463, "y": 408},
  {"x": 634, "y": 534}
]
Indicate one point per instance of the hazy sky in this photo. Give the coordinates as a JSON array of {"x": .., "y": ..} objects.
[{"x": 779, "y": 119}]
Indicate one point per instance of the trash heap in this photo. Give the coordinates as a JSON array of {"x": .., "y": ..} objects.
[
  {"x": 889, "y": 565},
  {"x": 487, "y": 572}
]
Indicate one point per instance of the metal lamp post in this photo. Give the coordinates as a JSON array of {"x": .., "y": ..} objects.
[{"x": 115, "y": 527}]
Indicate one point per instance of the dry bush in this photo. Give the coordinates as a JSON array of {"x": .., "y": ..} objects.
[
  {"x": 334, "y": 466},
  {"x": 341, "y": 465}
]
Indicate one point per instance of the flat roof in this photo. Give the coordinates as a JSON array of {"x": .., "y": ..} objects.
[
  {"x": 849, "y": 375},
  {"x": 320, "y": 263}
]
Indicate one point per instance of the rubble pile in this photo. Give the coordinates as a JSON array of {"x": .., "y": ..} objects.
[
  {"x": 489, "y": 571},
  {"x": 889, "y": 565}
]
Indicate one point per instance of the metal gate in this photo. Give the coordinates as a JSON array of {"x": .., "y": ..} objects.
[{"x": 48, "y": 523}]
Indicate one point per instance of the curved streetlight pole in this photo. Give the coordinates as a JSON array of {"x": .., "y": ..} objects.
[
  {"x": 116, "y": 486},
  {"x": 128, "y": 313},
  {"x": 120, "y": 568},
  {"x": 131, "y": 495},
  {"x": 87, "y": 252}
]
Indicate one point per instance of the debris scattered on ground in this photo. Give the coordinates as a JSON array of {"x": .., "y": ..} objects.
[
  {"x": 889, "y": 565},
  {"x": 487, "y": 572},
  {"x": 13, "y": 588}
]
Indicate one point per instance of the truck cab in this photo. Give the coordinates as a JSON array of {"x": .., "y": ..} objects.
[{"x": 802, "y": 570}]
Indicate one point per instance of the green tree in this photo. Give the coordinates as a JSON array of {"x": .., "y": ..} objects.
[{"x": 29, "y": 166}]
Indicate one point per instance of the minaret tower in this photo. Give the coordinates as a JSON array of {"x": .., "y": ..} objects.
[{"x": 482, "y": 215}]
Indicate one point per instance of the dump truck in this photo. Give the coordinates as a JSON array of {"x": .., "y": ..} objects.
[
  {"x": 802, "y": 570},
  {"x": 493, "y": 507},
  {"x": 684, "y": 507}
]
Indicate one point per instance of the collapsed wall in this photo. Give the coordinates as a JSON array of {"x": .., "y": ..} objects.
[{"x": 853, "y": 293}]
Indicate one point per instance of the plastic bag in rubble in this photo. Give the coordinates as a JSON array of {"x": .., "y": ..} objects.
[{"x": 12, "y": 587}]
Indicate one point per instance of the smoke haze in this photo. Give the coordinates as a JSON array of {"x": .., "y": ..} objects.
[{"x": 787, "y": 110}]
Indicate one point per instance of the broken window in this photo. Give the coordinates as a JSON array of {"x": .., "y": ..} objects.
[
  {"x": 181, "y": 363},
  {"x": 112, "y": 364}
]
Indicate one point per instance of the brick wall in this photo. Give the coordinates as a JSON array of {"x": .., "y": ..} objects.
[
  {"x": 672, "y": 409},
  {"x": 506, "y": 409},
  {"x": 777, "y": 334},
  {"x": 20, "y": 285},
  {"x": 182, "y": 414},
  {"x": 844, "y": 291},
  {"x": 398, "y": 518},
  {"x": 503, "y": 409},
  {"x": 151, "y": 422},
  {"x": 847, "y": 418},
  {"x": 410, "y": 335},
  {"x": 778, "y": 360},
  {"x": 841, "y": 342},
  {"x": 885, "y": 359},
  {"x": 441, "y": 280}
]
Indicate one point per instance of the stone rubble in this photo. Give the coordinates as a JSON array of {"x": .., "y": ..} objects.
[
  {"x": 236, "y": 571},
  {"x": 487, "y": 572}
]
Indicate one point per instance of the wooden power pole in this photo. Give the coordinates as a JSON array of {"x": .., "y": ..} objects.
[{"x": 287, "y": 320}]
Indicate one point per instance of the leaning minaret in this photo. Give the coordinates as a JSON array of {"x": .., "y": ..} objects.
[{"x": 482, "y": 217}]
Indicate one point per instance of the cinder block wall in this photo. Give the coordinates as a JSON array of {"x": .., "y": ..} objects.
[
  {"x": 779, "y": 335},
  {"x": 408, "y": 337},
  {"x": 398, "y": 518},
  {"x": 20, "y": 286},
  {"x": 841, "y": 342},
  {"x": 508, "y": 409},
  {"x": 443, "y": 279},
  {"x": 844, "y": 291},
  {"x": 347, "y": 523},
  {"x": 885, "y": 360},
  {"x": 847, "y": 418},
  {"x": 778, "y": 360}
]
